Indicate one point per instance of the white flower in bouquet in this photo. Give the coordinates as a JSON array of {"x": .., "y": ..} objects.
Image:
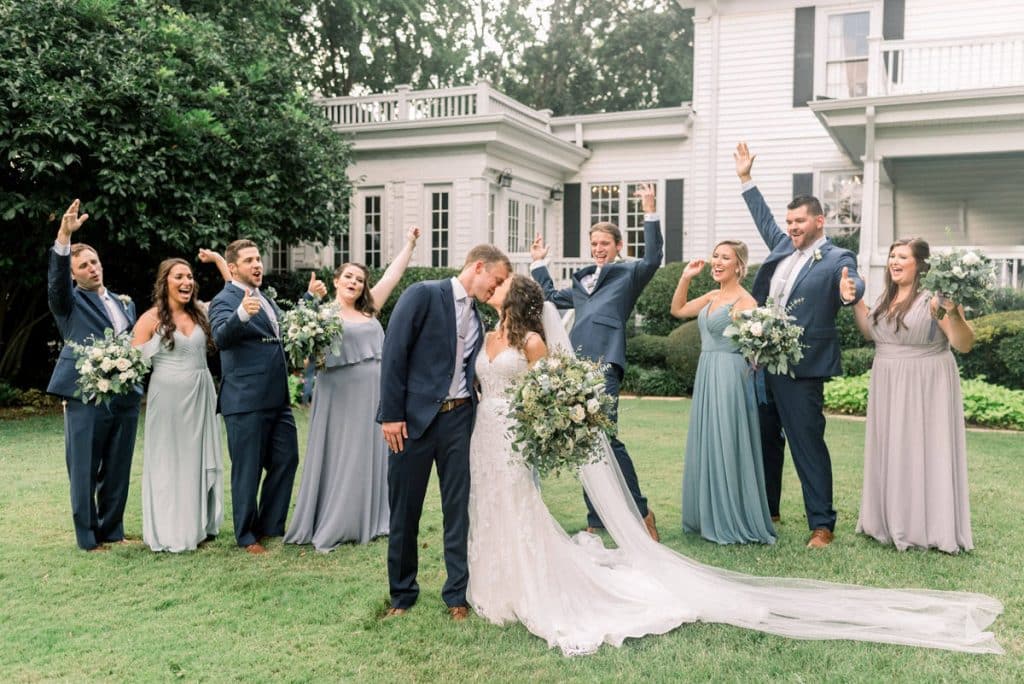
[
  {"x": 107, "y": 365},
  {"x": 311, "y": 330},
  {"x": 123, "y": 364},
  {"x": 96, "y": 354},
  {"x": 559, "y": 412},
  {"x": 967, "y": 278},
  {"x": 120, "y": 366},
  {"x": 103, "y": 385},
  {"x": 756, "y": 329},
  {"x": 767, "y": 338}
]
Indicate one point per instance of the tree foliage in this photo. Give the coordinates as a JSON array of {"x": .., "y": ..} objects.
[{"x": 178, "y": 124}]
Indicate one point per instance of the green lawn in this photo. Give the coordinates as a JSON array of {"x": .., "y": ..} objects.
[{"x": 293, "y": 614}]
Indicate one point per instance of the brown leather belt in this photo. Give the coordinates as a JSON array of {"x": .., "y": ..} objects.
[{"x": 449, "y": 404}]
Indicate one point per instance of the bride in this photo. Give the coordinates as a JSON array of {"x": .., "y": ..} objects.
[{"x": 576, "y": 594}]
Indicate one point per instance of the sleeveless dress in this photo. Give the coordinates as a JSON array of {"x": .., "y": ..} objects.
[
  {"x": 182, "y": 467},
  {"x": 915, "y": 450},
  {"x": 577, "y": 595},
  {"x": 723, "y": 478},
  {"x": 343, "y": 496}
]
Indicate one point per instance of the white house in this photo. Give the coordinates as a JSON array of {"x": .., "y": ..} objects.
[{"x": 906, "y": 117}]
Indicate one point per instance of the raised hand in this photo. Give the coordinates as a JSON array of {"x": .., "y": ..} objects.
[
  {"x": 413, "y": 234},
  {"x": 317, "y": 288},
  {"x": 251, "y": 302},
  {"x": 744, "y": 161},
  {"x": 847, "y": 286},
  {"x": 647, "y": 198},
  {"x": 693, "y": 269},
  {"x": 208, "y": 256},
  {"x": 70, "y": 222},
  {"x": 537, "y": 250}
]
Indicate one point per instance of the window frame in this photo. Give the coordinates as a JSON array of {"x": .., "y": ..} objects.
[{"x": 821, "y": 45}]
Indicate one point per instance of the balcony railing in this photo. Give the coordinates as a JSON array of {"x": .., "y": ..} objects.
[
  {"x": 906, "y": 67},
  {"x": 561, "y": 270},
  {"x": 406, "y": 104},
  {"x": 1008, "y": 262}
]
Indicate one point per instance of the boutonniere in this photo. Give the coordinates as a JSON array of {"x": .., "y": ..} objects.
[
  {"x": 817, "y": 255},
  {"x": 125, "y": 299},
  {"x": 270, "y": 293},
  {"x": 270, "y": 340}
]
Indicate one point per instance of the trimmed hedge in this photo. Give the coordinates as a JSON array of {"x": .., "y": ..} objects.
[
  {"x": 649, "y": 351},
  {"x": 997, "y": 352},
  {"x": 857, "y": 361},
  {"x": 1008, "y": 299},
  {"x": 684, "y": 353},
  {"x": 656, "y": 298},
  {"x": 652, "y": 382}
]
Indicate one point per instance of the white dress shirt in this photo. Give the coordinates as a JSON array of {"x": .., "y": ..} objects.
[{"x": 466, "y": 329}]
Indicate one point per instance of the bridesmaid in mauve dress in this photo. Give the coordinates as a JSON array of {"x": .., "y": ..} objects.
[
  {"x": 343, "y": 496},
  {"x": 724, "y": 497},
  {"x": 182, "y": 468},
  {"x": 915, "y": 451}
]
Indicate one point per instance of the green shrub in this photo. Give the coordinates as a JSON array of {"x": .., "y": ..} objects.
[
  {"x": 1011, "y": 352},
  {"x": 647, "y": 350},
  {"x": 990, "y": 357},
  {"x": 296, "y": 382},
  {"x": 9, "y": 395},
  {"x": 656, "y": 299},
  {"x": 684, "y": 353},
  {"x": 849, "y": 334},
  {"x": 847, "y": 394},
  {"x": 37, "y": 398},
  {"x": 652, "y": 382},
  {"x": 857, "y": 361},
  {"x": 1008, "y": 299}
]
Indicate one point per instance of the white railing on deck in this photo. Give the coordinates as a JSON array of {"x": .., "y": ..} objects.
[
  {"x": 903, "y": 67},
  {"x": 1008, "y": 261},
  {"x": 406, "y": 104},
  {"x": 561, "y": 270}
]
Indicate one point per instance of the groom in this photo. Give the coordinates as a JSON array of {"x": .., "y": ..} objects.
[
  {"x": 254, "y": 398},
  {"x": 813, "y": 277},
  {"x": 427, "y": 405}
]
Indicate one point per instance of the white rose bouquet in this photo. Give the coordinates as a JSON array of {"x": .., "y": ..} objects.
[
  {"x": 767, "y": 338},
  {"x": 309, "y": 330},
  {"x": 967, "y": 278},
  {"x": 559, "y": 411},
  {"x": 107, "y": 367}
]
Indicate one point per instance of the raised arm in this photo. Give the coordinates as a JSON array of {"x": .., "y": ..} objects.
[
  {"x": 759, "y": 210},
  {"x": 654, "y": 241},
  {"x": 208, "y": 256},
  {"x": 680, "y": 307},
  {"x": 59, "y": 282},
  {"x": 386, "y": 285},
  {"x": 562, "y": 299}
]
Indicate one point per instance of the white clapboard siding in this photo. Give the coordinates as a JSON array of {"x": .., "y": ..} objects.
[{"x": 935, "y": 19}]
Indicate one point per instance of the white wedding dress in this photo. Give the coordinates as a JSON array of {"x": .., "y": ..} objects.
[{"x": 577, "y": 595}]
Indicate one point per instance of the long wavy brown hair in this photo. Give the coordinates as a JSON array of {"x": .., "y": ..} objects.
[
  {"x": 523, "y": 310},
  {"x": 364, "y": 302},
  {"x": 163, "y": 306},
  {"x": 920, "y": 250}
]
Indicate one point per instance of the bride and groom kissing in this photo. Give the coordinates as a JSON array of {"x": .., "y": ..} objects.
[{"x": 505, "y": 555}]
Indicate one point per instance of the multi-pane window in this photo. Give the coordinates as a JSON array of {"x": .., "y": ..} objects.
[
  {"x": 846, "y": 60},
  {"x": 529, "y": 226},
  {"x": 604, "y": 203},
  {"x": 634, "y": 233},
  {"x": 513, "y": 226},
  {"x": 342, "y": 249},
  {"x": 490, "y": 218},
  {"x": 841, "y": 195},
  {"x": 372, "y": 247},
  {"x": 617, "y": 203},
  {"x": 279, "y": 257},
  {"x": 439, "y": 220}
]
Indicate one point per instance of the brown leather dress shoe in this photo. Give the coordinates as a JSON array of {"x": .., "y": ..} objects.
[
  {"x": 776, "y": 519},
  {"x": 820, "y": 538},
  {"x": 652, "y": 529},
  {"x": 256, "y": 549},
  {"x": 395, "y": 612},
  {"x": 458, "y": 613}
]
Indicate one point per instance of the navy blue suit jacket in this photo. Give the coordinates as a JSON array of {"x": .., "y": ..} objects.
[
  {"x": 814, "y": 299},
  {"x": 599, "y": 331},
  {"x": 79, "y": 314},
  {"x": 418, "y": 360},
  {"x": 254, "y": 373}
]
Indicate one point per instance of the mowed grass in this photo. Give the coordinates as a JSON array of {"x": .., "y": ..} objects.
[{"x": 296, "y": 615}]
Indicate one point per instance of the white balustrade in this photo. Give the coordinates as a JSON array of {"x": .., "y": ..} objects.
[{"x": 904, "y": 67}]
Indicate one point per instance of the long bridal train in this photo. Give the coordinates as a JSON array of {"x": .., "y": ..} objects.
[{"x": 577, "y": 595}]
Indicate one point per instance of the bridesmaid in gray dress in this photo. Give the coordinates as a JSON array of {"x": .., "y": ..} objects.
[
  {"x": 723, "y": 478},
  {"x": 343, "y": 496},
  {"x": 182, "y": 472},
  {"x": 915, "y": 450}
]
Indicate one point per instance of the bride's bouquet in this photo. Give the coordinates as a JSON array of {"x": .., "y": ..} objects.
[
  {"x": 310, "y": 330},
  {"x": 107, "y": 367},
  {"x": 560, "y": 411},
  {"x": 767, "y": 338},
  {"x": 966, "y": 277}
]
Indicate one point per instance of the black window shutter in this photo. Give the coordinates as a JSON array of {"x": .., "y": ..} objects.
[
  {"x": 803, "y": 184},
  {"x": 571, "y": 220},
  {"x": 673, "y": 220},
  {"x": 803, "y": 56}
]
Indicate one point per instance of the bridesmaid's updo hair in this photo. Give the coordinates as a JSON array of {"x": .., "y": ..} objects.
[
  {"x": 364, "y": 302},
  {"x": 920, "y": 250},
  {"x": 739, "y": 248},
  {"x": 161, "y": 300},
  {"x": 523, "y": 310}
]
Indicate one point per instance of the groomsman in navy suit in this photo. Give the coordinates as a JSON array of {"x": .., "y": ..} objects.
[
  {"x": 603, "y": 296},
  {"x": 254, "y": 398},
  {"x": 98, "y": 440},
  {"x": 806, "y": 272},
  {"x": 427, "y": 406}
]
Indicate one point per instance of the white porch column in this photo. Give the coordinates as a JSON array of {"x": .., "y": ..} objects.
[{"x": 867, "y": 261}]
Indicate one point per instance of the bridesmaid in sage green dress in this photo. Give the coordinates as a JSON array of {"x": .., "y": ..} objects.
[{"x": 723, "y": 477}]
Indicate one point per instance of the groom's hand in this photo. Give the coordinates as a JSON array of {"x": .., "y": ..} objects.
[{"x": 395, "y": 434}]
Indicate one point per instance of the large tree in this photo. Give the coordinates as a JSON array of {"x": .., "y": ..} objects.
[{"x": 179, "y": 125}]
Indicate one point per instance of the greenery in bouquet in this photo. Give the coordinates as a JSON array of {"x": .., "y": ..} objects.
[
  {"x": 310, "y": 330},
  {"x": 107, "y": 367},
  {"x": 559, "y": 412},
  {"x": 965, "y": 277},
  {"x": 767, "y": 338}
]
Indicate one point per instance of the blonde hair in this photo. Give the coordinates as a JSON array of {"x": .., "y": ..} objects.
[{"x": 739, "y": 248}]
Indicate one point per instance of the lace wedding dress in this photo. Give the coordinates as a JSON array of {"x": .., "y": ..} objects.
[{"x": 577, "y": 595}]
